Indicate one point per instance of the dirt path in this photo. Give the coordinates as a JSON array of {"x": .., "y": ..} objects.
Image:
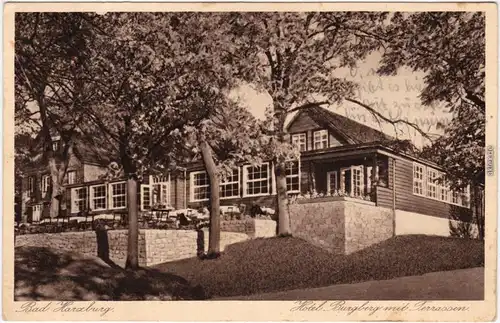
[{"x": 463, "y": 284}]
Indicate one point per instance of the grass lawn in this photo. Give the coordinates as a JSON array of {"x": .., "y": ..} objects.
[
  {"x": 47, "y": 274},
  {"x": 276, "y": 264}
]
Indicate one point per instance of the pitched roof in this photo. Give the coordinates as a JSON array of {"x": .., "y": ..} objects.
[
  {"x": 351, "y": 131},
  {"x": 87, "y": 152}
]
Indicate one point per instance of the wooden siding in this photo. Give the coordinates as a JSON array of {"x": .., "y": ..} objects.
[
  {"x": 305, "y": 124},
  {"x": 384, "y": 197},
  {"x": 302, "y": 123},
  {"x": 406, "y": 200},
  {"x": 334, "y": 141}
]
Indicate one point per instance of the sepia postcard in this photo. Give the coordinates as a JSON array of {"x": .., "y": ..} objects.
[{"x": 250, "y": 161}]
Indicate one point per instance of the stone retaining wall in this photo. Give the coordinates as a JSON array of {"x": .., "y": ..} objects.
[
  {"x": 255, "y": 228},
  {"x": 155, "y": 246},
  {"x": 170, "y": 245},
  {"x": 366, "y": 225},
  {"x": 341, "y": 225}
]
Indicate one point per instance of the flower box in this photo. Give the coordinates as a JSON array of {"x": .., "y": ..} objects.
[{"x": 333, "y": 199}]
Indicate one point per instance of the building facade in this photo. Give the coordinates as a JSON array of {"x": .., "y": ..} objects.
[{"x": 338, "y": 156}]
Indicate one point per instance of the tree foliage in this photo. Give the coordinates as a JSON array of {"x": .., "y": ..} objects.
[
  {"x": 51, "y": 61},
  {"x": 294, "y": 57},
  {"x": 450, "y": 48}
]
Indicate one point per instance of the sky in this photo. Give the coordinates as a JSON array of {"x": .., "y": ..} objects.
[{"x": 393, "y": 96}]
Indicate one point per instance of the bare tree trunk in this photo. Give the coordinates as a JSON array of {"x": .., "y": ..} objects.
[
  {"x": 55, "y": 192},
  {"x": 281, "y": 201},
  {"x": 477, "y": 202},
  {"x": 214, "y": 230},
  {"x": 57, "y": 174},
  {"x": 133, "y": 229}
]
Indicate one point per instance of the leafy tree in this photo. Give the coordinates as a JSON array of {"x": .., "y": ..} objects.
[
  {"x": 229, "y": 137},
  {"x": 293, "y": 57},
  {"x": 158, "y": 75},
  {"x": 450, "y": 48},
  {"x": 51, "y": 55}
]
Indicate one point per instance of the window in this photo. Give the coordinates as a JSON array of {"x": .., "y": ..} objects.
[
  {"x": 352, "y": 180},
  {"x": 36, "y": 213},
  {"x": 118, "y": 195},
  {"x": 31, "y": 185},
  {"x": 465, "y": 197},
  {"x": 145, "y": 197},
  {"x": 418, "y": 179},
  {"x": 292, "y": 177},
  {"x": 444, "y": 193},
  {"x": 431, "y": 183},
  {"x": 160, "y": 193},
  {"x": 55, "y": 145},
  {"x": 436, "y": 187},
  {"x": 199, "y": 186},
  {"x": 299, "y": 140},
  {"x": 160, "y": 190},
  {"x": 71, "y": 177},
  {"x": 45, "y": 183},
  {"x": 79, "y": 199},
  {"x": 331, "y": 181},
  {"x": 357, "y": 181},
  {"x": 229, "y": 186},
  {"x": 256, "y": 179},
  {"x": 98, "y": 197},
  {"x": 320, "y": 139}
]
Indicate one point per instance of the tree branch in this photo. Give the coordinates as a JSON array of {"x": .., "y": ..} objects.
[{"x": 393, "y": 122}]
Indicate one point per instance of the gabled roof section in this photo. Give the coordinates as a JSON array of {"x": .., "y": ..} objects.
[
  {"x": 351, "y": 131},
  {"x": 87, "y": 151}
]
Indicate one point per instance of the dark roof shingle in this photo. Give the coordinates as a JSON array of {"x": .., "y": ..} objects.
[{"x": 352, "y": 131}]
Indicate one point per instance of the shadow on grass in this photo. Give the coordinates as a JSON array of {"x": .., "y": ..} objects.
[
  {"x": 278, "y": 264},
  {"x": 47, "y": 274}
]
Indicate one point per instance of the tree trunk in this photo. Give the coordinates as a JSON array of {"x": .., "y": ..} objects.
[
  {"x": 281, "y": 201},
  {"x": 133, "y": 230},
  {"x": 478, "y": 212},
  {"x": 214, "y": 230},
  {"x": 55, "y": 188}
]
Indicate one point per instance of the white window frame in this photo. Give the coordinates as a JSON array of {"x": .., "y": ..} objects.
[
  {"x": 432, "y": 185},
  {"x": 75, "y": 199},
  {"x": 422, "y": 181},
  {"x": 163, "y": 183},
  {"x": 329, "y": 181},
  {"x": 192, "y": 186},
  {"x": 226, "y": 183},
  {"x": 291, "y": 176},
  {"x": 36, "y": 210},
  {"x": 45, "y": 183},
  {"x": 444, "y": 190},
  {"x": 71, "y": 175},
  {"x": 320, "y": 137},
  {"x": 358, "y": 168},
  {"x": 247, "y": 181},
  {"x": 452, "y": 197},
  {"x": 112, "y": 195},
  {"x": 92, "y": 199},
  {"x": 300, "y": 140},
  {"x": 145, "y": 187},
  {"x": 55, "y": 145}
]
